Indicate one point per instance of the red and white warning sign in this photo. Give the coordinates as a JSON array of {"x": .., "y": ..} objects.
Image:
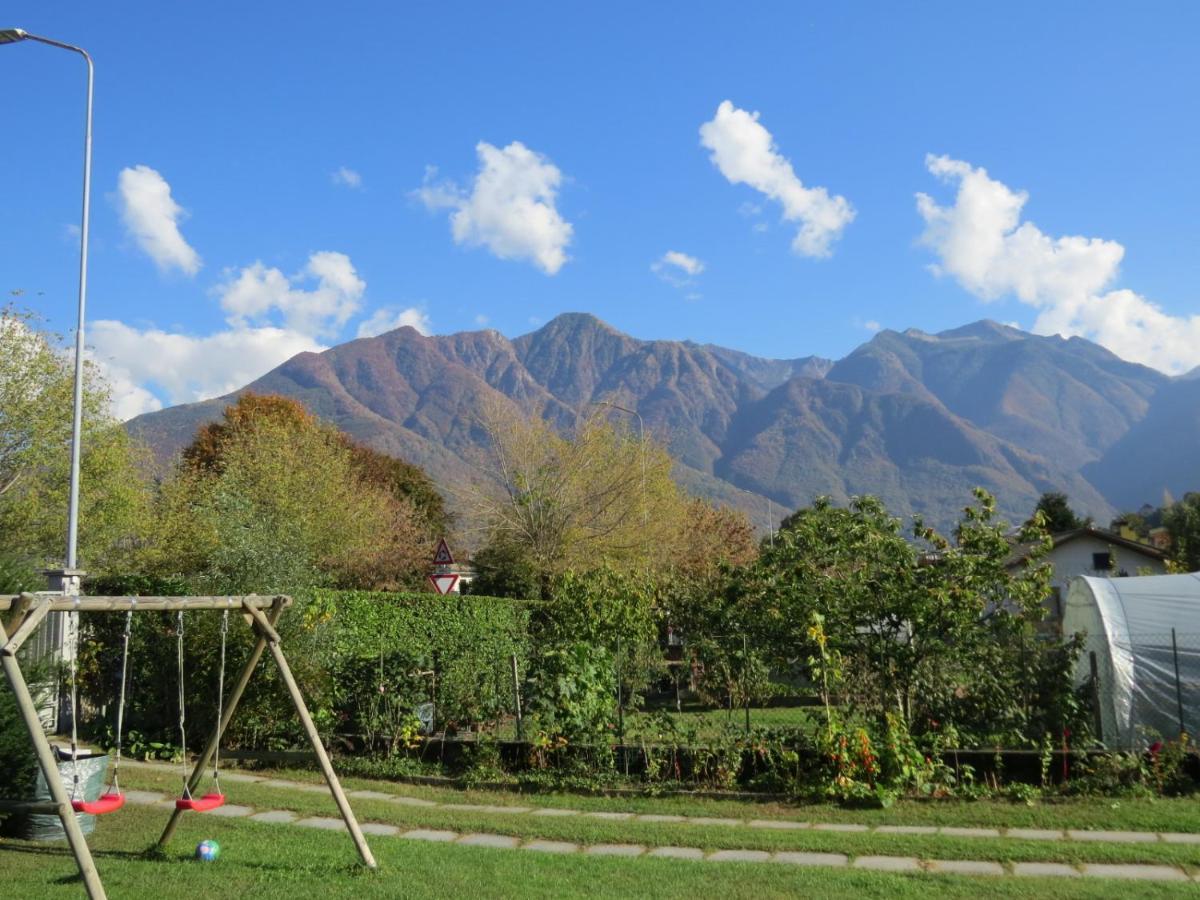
[
  {"x": 441, "y": 556},
  {"x": 444, "y": 583}
]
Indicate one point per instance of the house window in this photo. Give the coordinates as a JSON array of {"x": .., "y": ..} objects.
[{"x": 1101, "y": 562}]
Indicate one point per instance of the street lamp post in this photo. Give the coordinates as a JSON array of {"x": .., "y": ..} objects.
[
  {"x": 70, "y": 576},
  {"x": 641, "y": 441},
  {"x": 68, "y": 579},
  {"x": 770, "y": 511}
]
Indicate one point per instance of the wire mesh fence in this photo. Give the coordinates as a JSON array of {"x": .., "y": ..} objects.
[
  {"x": 1141, "y": 687},
  {"x": 1130, "y": 690},
  {"x": 1136, "y": 690}
]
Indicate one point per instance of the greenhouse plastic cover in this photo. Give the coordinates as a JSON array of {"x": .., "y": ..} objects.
[{"x": 1145, "y": 633}]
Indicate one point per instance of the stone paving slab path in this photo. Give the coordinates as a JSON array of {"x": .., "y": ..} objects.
[
  {"x": 1028, "y": 834},
  {"x": 879, "y": 863},
  {"x": 232, "y": 811},
  {"x": 1139, "y": 873}
]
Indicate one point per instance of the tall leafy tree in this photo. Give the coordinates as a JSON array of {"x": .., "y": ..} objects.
[
  {"x": 1057, "y": 513},
  {"x": 269, "y": 498},
  {"x": 36, "y": 398},
  {"x": 1182, "y": 521},
  {"x": 558, "y": 502},
  {"x": 930, "y": 629}
]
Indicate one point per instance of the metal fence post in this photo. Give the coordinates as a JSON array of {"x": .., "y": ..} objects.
[
  {"x": 1178, "y": 685},
  {"x": 517, "y": 698},
  {"x": 433, "y": 697},
  {"x": 746, "y": 678},
  {"x": 1098, "y": 720},
  {"x": 620, "y": 698}
]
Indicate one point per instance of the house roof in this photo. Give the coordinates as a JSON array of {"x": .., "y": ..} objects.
[{"x": 1022, "y": 551}]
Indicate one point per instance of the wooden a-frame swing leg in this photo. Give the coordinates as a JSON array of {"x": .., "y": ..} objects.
[
  {"x": 17, "y": 612},
  {"x": 231, "y": 705},
  {"x": 45, "y": 757},
  {"x": 314, "y": 737}
]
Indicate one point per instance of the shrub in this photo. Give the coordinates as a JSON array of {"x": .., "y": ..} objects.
[{"x": 454, "y": 651}]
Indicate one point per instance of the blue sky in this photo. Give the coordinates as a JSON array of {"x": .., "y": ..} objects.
[{"x": 505, "y": 163}]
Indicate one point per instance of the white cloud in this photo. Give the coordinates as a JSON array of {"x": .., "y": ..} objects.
[
  {"x": 253, "y": 294},
  {"x": 390, "y": 319},
  {"x": 982, "y": 243},
  {"x": 184, "y": 368},
  {"x": 345, "y": 177},
  {"x": 677, "y": 268},
  {"x": 270, "y": 319},
  {"x": 481, "y": 320},
  {"x": 745, "y": 153},
  {"x": 510, "y": 208},
  {"x": 152, "y": 216},
  {"x": 872, "y": 325}
]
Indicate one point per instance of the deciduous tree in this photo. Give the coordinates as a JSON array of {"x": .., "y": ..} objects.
[
  {"x": 560, "y": 502},
  {"x": 36, "y": 398},
  {"x": 271, "y": 499},
  {"x": 932, "y": 629}
]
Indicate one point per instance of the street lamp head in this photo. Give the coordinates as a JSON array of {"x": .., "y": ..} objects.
[{"x": 12, "y": 35}]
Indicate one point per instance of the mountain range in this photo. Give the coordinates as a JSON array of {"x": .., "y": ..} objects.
[{"x": 917, "y": 419}]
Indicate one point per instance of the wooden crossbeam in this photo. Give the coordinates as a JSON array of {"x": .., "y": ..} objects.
[
  {"x": 32, "y": 620},
  {"x": 58, "y": 603}
]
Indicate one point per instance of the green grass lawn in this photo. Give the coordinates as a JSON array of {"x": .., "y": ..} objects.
[
  {"x": 585, "y": 830},
  {"x": 287, "y": 862}
]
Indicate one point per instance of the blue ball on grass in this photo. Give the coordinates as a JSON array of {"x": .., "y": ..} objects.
[{"x": 208, "y": 851}]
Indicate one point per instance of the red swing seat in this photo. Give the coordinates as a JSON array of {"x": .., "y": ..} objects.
[
  {"x": 200, "y": 804},
  {"x": 106, "y": 803}
]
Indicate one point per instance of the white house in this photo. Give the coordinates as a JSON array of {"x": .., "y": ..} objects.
[{"x": 1095, "y": 552}]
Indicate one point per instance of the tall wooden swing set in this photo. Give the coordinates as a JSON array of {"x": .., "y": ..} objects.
[{"x": 26, "y": 613}]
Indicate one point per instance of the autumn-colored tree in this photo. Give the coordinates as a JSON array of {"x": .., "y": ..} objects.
[
  {"x": 271, "y": 499},
  {"x": 250, "y": 412},
  {"x": 572, "y": 502},
  {"x": 715, "y": 543},
  {"x": 402, "y": 480},
  {"x": 712, "y": 537}
]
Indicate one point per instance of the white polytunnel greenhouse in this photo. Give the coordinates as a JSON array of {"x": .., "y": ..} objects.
[{"x": 1141, "y": 659}]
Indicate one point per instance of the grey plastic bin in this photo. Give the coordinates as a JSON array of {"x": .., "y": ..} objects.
[{"x": 93, "y": 767}]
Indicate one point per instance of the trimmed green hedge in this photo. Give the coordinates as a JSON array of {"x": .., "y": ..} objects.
[{"x": 388, "y": 653}]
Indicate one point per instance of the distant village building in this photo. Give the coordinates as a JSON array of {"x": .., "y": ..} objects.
[
  {"x": 466, "y": 574},
  {"x": 1091, "y": 551}
]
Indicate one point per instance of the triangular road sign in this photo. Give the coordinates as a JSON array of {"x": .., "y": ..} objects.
[
  {"x": 441, "y": 556},
  {"x": 444, "y": 584}
]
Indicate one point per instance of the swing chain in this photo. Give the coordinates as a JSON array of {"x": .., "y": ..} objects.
[
  {"x": 220, "y": 703},
  {"x": 72, "y": 652},
  {"x": 120, "y": 739},
  {"x": 182, "y": 702}
]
